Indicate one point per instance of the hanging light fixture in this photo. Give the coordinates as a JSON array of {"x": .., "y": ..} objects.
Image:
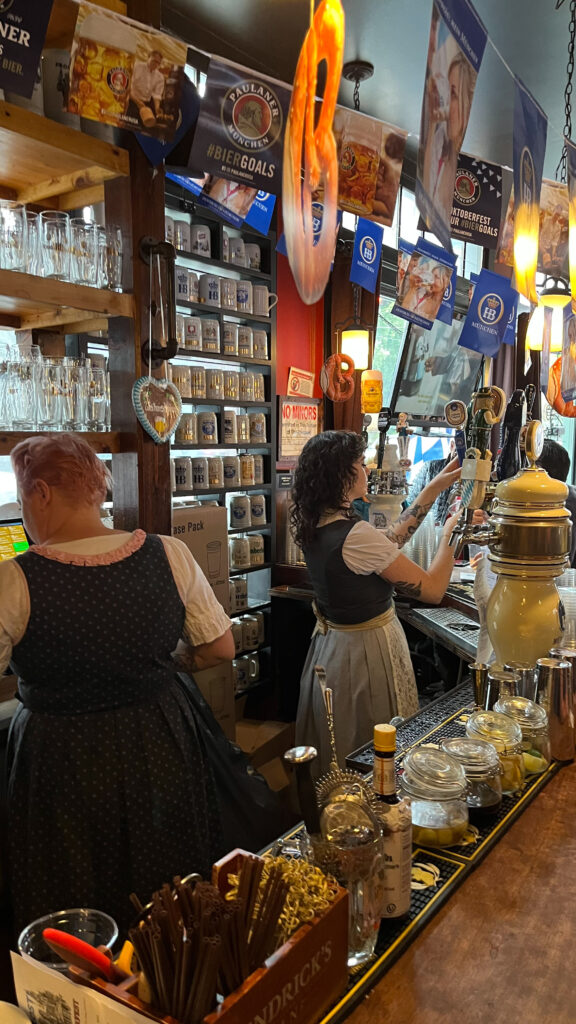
[
  {"x": 354, "y": 336},
  {"x": 556, "y": 291}
]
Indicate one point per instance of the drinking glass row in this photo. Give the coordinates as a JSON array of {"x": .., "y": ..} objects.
[
  {"x": 54, "y": 244},
  {"x": 53, "y": 394}
]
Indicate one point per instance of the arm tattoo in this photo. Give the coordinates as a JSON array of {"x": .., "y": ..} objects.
[
  {"x": 407, "y": 523},
  {"x": 409, "y": 589}
]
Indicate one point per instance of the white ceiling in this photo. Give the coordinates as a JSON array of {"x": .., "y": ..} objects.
[{"x": 393, "y": 35}]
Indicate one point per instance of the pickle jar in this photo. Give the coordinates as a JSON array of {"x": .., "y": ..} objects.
[
  {"x": 533, "y": 722},
  {"x": 436, "y": 785},
  {"x": 482, "y": 769},
  {"x": 504, "y": 734}
]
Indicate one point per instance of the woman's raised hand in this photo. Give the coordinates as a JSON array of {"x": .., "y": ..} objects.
[{"x": 447, "y": 476}]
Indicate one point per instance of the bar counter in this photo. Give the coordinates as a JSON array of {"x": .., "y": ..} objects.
[{"x": 501, "y": 949}]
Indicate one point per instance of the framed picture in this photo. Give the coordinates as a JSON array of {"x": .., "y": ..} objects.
[{"x": 298, "y": 421}]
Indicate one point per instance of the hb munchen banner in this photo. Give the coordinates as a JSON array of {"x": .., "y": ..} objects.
[
  {"x": 455, "y": 51},
  {"x": 23, "y": 25},
  {"x": 241, "y": 127},
  {"x": 529, "y": 147}
]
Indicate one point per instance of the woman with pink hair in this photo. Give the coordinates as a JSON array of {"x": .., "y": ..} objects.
[{"x": 109, "y": 791}]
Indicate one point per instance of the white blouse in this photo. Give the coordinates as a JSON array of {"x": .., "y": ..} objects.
[
  {"x": 205, "y": 619},
  {"x": 365, "y": 549}
]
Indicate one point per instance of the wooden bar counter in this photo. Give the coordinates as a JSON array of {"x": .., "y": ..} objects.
[{"x": 501, "y": 950}]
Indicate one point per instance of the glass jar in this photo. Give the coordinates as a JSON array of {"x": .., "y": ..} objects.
[
  {"x": 481, "y": 765},
  {"x": 533, "y": 722},
  {"x": 504, "y": 734},
  {"x": 436, "y": 784}
]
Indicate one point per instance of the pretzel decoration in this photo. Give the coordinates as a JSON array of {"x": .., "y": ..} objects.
[
  {"x": 336, "y": 383},
  {"x": 310, "y": 264}
]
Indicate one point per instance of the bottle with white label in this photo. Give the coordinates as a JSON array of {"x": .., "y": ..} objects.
[{"x": 396, "y": 821}]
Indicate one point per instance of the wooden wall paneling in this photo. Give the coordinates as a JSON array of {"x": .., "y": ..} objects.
[{"x": 142, "y": 481}]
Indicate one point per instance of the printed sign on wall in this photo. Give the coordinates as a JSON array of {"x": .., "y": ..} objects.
[{"x": 23, "y": 25}]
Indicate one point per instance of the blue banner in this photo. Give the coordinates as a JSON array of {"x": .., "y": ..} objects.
[
  {"x": 427, "y": 277},
  {"x": 510, "y": 332},
  {"x": 477, "y": 202},
  {"x": 455, "y": 50},
  {"x": 529, "y": 147},
  {"x": 260, "y": 213},
  {"x": 318, "y": 213},
  {"x": 446, "y": 311},
  {"x": 487, "y": 317},
  {"x": 366, "y": 255},
  {"x": 158, "y": 150},
  {"x": 23, "y": 25}
]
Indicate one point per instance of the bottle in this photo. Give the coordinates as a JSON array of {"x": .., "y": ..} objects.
[{"x": 396, "y": 822}]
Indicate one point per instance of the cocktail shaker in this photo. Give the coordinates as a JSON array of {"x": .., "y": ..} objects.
[
  {"x": 555, "y": 692},
  {"x": 479, "y": 674},
  {"x": 527, "y": 673}
]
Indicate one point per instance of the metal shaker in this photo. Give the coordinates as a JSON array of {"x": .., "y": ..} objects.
[
  {"x": 568, "y": 654},
  {"x": 501, "y": 683},
  {"x": 555, "y": 692},
  {"x": 527, "y": 673}
]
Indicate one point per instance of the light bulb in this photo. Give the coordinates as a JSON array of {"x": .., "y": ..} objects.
[
  {"x": 356, "y": 344},
  {"x": 535, "y": 331},
  {"x": 557, "y": 330}
]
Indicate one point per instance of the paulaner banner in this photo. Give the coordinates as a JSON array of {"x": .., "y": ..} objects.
[
  {"x": 455, "y": 51},
  {"x": 529, "y": 147},
  {"x": 23, "y": 25},
  {"x": 571, "y": 160},
  {"x": 477, "y": 201},
  {"x": 241, "y": 126}
]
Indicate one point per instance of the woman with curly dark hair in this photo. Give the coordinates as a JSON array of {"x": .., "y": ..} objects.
[{"x": 354, "y": 570}]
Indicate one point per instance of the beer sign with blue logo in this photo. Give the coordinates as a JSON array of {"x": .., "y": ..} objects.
[
  {"x": 489, "y": 313},
  {"x": 366, "y": 255}
]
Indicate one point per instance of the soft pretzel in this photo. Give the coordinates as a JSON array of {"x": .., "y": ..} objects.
[
  {"x": 311, "y": 264},
  {"x": 336, "y": 383}
]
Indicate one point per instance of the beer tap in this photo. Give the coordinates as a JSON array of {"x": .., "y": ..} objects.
[
  {"x": 384, "y": 417},
  {"x": 487, "y": 408},
  {"x": 509, "y": 461}
]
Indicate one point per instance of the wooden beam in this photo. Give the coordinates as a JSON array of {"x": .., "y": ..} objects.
[
  {"x": 107, "y": 442},
  {"x": 82, "y": 197}
]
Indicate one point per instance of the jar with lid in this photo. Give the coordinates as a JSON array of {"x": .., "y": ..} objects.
[
  {"x": 481, "y": 765},
  {"x": 533, "y": 722},
  {"x": 436, "y": 784},
  {"x": 504, "y": 734}
]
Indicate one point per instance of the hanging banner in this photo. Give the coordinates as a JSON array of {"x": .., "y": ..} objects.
[
  {"x": 446, "y": 312},
  {"x": 158, "y": 150},
  {"x": 317, "y": 215},
  {"x": 488, "y": 314},
  {"x": 125, "y": 74},
  {"x": 370, "y": 157},
  {"x": 405, "y": 250},
  {"x": 553, "y": 234},
  {"x": 477, "y": 202},
  {"x": 260, "y": 213},
  {"x": 23, "y": 25},
  {"x": 529, "y": 146},
  {"x": 427, "y": 277},
  {"x": 366, "y": 255},
  {"x": 241, "y": 125},
  {"x": 568, "y": 374},
  {"x": 455, "y": 51},
  {"x": 571, "y": 161},
  {"x": 510, "y": 332}
]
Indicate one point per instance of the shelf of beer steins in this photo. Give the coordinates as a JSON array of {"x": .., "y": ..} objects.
[
  {"x": 219, "y": 311},
  {"x": 212, "y": 264},
  {"x": 230, "y": 446},
  {"x": 228, "y": 402},
  {"x": 221, "y": 357},
  {"x": 436, "y": 873},
  {"x": 235, "y": 489}
]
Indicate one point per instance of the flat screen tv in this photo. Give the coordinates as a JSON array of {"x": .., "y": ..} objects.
[{"x": 433, "y": 370}]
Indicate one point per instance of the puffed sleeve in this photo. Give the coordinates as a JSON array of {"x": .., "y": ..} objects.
[
  {"x": 14, "y": 608},
  {"x": 206, "y": 619},
  {"x": 368, "y": 550}
]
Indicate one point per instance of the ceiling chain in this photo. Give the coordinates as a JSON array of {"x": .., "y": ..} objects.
[
  {"x": 357, "y": 93},
  {"x": 561, "y": 170}
]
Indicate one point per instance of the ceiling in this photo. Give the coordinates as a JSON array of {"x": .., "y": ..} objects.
[{"x": 531, "y": 36}]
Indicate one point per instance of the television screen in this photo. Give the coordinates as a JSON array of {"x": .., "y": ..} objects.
[
  {"x": 434, "y": 369},
  {"x": 13, "y": 539}
]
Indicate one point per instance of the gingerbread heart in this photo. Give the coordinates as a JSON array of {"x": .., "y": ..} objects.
[{"x": 158, "y": 406}]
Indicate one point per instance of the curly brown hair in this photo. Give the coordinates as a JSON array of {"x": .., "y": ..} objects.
[{"x": 323, "y": 477}]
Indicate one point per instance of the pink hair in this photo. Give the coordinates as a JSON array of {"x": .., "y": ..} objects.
[{"x": 64, "y": 462}]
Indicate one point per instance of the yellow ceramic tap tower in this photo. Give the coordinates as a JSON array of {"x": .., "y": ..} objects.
[{"x": 529, "y": 542}]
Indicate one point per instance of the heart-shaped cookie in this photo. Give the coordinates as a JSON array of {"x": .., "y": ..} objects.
[{"x": 158, "y": 406}]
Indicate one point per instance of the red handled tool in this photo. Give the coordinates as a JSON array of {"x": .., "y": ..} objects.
[{"x": 75, "y": 951}]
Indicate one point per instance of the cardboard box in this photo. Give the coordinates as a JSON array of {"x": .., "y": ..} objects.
[
  {"x": 275, "y": 774},
  {"x": 217, "y": 687},
  {"x": 205, "y": 531},
  {"x": 263, "y": 741}
]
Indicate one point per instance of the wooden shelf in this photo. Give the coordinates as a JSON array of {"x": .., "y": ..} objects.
[
  {"x": 105, "y": 442},
  {"x": 28, "y": 301},
  {"x": 40, "y": 158}
]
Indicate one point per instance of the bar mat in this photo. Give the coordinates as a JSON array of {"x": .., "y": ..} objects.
[{"x": 436, "y": 873}]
